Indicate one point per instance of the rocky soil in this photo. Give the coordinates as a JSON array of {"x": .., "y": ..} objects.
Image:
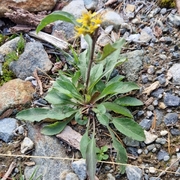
[{"x": 153, "y": 52}]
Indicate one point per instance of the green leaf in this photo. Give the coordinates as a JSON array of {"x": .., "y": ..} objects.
[
  {"x": 38, "y": 114},
  {"x": 121, "y": 151},
  {"x": 112, "y": 59},
  {"x": 55, "y": 16},
  {"x": 129, "y": 128},
  {"x": 80, "y": 119},
  {"x": 117, "y": 109},
  {"x": 107, "y": 50},
  {"x": 103, "y": 119},
  {"x": 54, "y": 128},
  {"x": 121, "y": 154},
  {"x": 128, "y": 101},
  {"x": 117, "y": 88},
  {"x": 33, "y": 114},
  {"x": 96, "y": 73},
  {"x": 84, "y": 143},
  {"x": 91, "y": 159},
  {"x": 54, "y": 97},
  {"x": 83, "y": 64}
]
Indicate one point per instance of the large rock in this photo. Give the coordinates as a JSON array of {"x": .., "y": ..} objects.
[
  {"x": 15, "y": 92},
  {"x": 30, "y": 5},
  {"x": 46, "y": 146},
  {"x": 34, "y": 57}
]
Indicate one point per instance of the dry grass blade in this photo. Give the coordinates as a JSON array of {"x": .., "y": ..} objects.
[{"x": 9, "y": 171}]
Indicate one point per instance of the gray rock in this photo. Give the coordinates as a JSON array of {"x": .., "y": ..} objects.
[
  {"x": 177, "y": 173},
  {"x": 171, "y": 100},
  {"x": 46, "y": 146},
  {"x": 33, "y": 57},
  {"x": 134, "y": 173},
  {"x": 110, "y": 17},
  {"x": 130, "y": 142},
  {"x": 174, "y": 19},
  {"x": 161, "y": 140},
  {"x": 133, "y": 38},
  {"x": 110, "y": 177},
  {"x": 175, "y": 55},
  {"x": 163, "y": 11},
  {"x": 175, "y": 71},
  {"x": 7, "y": 127},
  {"x": 132, "y": 150},
  {"x": 9, "y": 46},
  {"x": 79, "y": 167},
  {"x": 144, "y": 78},
  {"x": 146, "y": 35},
  {"x": 166, "y": 158},
  {"x": 133, "y": 65},
  {"x": 146, "y": 124},
  {"x": 161, "y": 79},
  {"x": 66, "y": 30},
  {"x": 175, "y": 132},
  {"x": 90, "y": 4},
  {"x": 157, "y": 92},
  {"x": 151, "y": 147},
  {"x": 171, "y": 119},
  {"x": 159, "y": 116},
  {"x": 161, "y": 154}
]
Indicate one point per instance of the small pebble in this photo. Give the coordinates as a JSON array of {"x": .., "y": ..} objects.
[
  {"x": 163, "y": 133},
  {"x": 166, "y": 158},
  {"x": 161, "y": 140},
  {"x": 152, "y": 170}
]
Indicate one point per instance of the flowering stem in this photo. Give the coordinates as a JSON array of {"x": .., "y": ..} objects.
[{"x": 91, "y": 59}]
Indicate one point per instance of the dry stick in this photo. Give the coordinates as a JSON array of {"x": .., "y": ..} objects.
[
  {"x": 166, "y": 170},
  {"x": 38, "y": 81},
  {"x": 70, "y": 159},
  {"x": 9, "y": 171}
]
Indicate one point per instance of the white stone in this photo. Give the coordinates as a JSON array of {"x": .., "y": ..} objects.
[
  {"x": 163, "y": 133},
  {"x": 152, "y": 170},
  {"x": 26, "y": 145},
  {"x": 149, "y": 137}
]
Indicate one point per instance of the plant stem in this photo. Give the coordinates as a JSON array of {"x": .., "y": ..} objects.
[{"x": 91, "y": 59}]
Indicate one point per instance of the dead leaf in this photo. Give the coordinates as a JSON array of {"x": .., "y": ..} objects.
[
  {"x": 130, "y": 8},
  {"x": 157, "y": 31},
  {"x": 151, "y": 88}
]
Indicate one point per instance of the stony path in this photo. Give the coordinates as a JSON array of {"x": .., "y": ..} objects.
[{"x": 153, "y": 52}]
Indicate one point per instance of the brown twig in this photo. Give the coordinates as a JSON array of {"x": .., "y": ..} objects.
[
  {"x": 9, "y": 171},
  {"x": 38, "y": 81}
]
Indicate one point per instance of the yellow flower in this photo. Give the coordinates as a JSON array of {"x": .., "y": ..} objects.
[{"x": 89, "y": 22}]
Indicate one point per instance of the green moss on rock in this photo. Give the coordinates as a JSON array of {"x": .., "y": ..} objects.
[{"x": 166, "y": 3}]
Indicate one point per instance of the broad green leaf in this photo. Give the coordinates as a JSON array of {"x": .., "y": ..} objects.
[
  {"x": 84, "y": 143},
  {"x": 101, "y": 108},
  {"x": 33, "y": 114},
  {"x": 129, "y": 128},
  {"x": 121, "y": 152},
  {"x": 107, "y": 50},
  {"x": 38, "y": 114},
  {"x": 117, "y": 109},
  {"x": 54, "y": 128},
  {"x": 54, "y": 97},
  {"x": 117, "y": 78},
  {"x": 96, "y": 73},
  {"x": 91, "y": 159},
  {"x": 103, "y": 119},
  {"x": 55, "y": 16},
  {"x": 111, "y": 60},
  {"x": 117, "y": 88},
  {"x": 128, "y": 101}
]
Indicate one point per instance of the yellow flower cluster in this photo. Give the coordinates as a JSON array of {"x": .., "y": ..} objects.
[{"x": 89, "y": 22}]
